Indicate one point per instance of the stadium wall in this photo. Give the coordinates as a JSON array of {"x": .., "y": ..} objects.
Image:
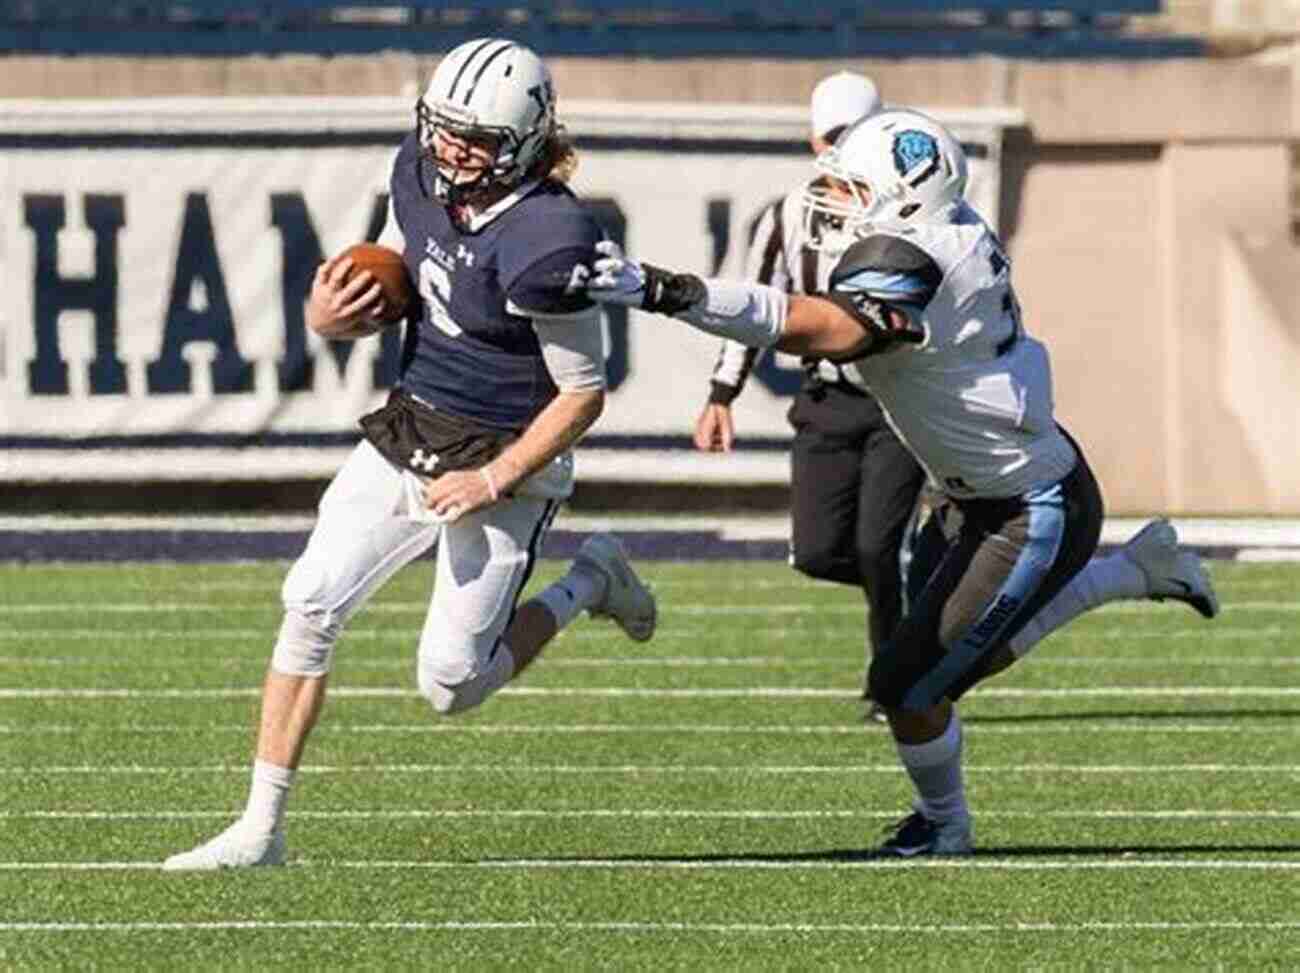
[{"x": 1145, "y": 205}]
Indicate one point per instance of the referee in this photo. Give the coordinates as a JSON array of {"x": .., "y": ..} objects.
[{"x": 854, "y": 485}]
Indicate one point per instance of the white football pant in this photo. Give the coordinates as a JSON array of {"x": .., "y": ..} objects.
[{"x": 370, "y": 524}]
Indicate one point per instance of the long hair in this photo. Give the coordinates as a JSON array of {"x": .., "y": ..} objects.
[{"x": 558, "y": 160}]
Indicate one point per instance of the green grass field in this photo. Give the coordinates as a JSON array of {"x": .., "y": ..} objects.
[{"x": 698, "y": 803}]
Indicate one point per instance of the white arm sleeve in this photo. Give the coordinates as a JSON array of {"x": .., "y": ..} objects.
[
  {"x": 573, "y": 346},
  {"x": 753, "y": 314}
]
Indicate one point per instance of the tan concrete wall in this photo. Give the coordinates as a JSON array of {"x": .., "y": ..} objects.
[
  {"x": 1134, "y": 203},
  {"x": 1093, "y": 293},
  {"x": 1213, "y": 193},
  {"x": 1086, "y": 101},
  {"x": 1123, "y": 266},
  {"x": 1259, "y": 351}
]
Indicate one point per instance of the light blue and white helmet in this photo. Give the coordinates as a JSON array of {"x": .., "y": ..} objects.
[{"x": 899, "y": 167}]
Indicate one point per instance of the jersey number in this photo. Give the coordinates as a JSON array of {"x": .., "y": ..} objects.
[
  {"x": 435, "y": 288},
  {"x": 1010, "y": 305}
]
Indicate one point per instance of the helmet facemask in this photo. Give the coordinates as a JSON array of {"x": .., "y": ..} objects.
[
  {"x": 838, "y": 208},
  {"x": 455, "y": 185},
  {"x": 823, "y": 221}
]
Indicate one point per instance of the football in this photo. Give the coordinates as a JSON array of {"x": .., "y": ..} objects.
[{"x": 390, "y": 271}]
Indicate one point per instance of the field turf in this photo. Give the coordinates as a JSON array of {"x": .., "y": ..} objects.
[{"x": 701, "y": 802}]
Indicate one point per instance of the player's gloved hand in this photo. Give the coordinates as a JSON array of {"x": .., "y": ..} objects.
[
  {"x": 616, "y": 278},
  {"x": 619, "y": 279}
]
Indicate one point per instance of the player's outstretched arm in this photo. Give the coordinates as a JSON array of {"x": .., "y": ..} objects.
[{"x": 753, "y": 314}]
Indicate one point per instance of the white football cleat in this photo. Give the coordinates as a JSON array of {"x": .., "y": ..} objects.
[
  {"x": 627, "y": 600},
  {"x": 1171, "y": 571},
  {"x": 236, "y": 847}
]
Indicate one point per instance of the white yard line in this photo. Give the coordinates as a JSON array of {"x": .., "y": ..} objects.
[
  {"x": 519, "y": 770},
  {"x": 791, "y": 584},
  {"x": 657, "y": 662},
  {"x": 757, "y": 692},
  {"x": 677, "y": 608},
  {"x": 987, "y": 862},
  {"x": 1104, "y": 692},
  {"x": 971, "y": 725},
  {"x": 651, "y": 814},
  {"x": 667, "y": 631},
  {"x": 747, "y": 928},
  {"x": 647, "y": 927}
]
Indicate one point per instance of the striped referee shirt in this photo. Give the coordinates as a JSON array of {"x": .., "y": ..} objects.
[{"x": 776, "y": 256}]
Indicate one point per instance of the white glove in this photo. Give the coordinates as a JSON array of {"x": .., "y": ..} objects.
[{"x": 616, "y": 278}]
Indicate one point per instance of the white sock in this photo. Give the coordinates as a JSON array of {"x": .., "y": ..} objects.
[
  {"x": 267, "y": 796},
  {"x": 574, "y": 593},
  {"x": 935, "y": 769},
  {"x": 1102, "y": 579}
]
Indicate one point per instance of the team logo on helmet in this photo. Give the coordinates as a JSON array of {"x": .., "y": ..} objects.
[{"x": 916, "y": 156}]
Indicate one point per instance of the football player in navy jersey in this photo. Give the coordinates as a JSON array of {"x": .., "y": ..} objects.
[
  {"x": 920, "y": 309},
  {"x": 502, "y": 371}
]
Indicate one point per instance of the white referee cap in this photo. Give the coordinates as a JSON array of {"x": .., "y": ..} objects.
[{"x": 841, "y": 99}]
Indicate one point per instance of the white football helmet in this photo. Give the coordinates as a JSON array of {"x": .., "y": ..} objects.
[
  {"x": 898, "y": 166},
  {"x": 488, "y": 87}
]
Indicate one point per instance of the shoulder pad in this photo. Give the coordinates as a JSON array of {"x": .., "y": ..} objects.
[
  {"x": 890, "y": 254},
  {"x": 888, "y": 267}
]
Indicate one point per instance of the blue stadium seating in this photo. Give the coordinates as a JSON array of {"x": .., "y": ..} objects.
[
  {"x": 650, "y": 28},
  {"x": 770, "y": 9}
]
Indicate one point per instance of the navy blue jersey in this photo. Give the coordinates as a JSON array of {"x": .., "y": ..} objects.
[{"x": 471, "y": 351}]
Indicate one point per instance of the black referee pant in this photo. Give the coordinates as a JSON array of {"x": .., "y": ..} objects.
[{"x": 854, "y": 486}]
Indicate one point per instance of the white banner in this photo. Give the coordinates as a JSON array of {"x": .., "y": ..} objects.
[{"x": 156, "y": 255}]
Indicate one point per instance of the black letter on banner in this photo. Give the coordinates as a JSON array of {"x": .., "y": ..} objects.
[
  {"x": 52, "y": 294},
  {"x": 388, "y": 364},
  {"x": 610, "y": 216},
  {"x": 719, "y": 226},
  {"x": 198, "y": 261},
  {"x": 300, "y": 256}
]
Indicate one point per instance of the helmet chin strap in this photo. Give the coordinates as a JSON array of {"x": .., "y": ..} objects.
[
  {"x": 484, "y": 189},
  {"x": 450, "y": 191},
  {"x": 465, "y": 206}
]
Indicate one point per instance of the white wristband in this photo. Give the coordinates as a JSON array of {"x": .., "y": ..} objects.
[{"x": 491, "y": 483}]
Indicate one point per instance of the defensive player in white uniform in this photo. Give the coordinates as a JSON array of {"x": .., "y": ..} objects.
[
  {"x": 502, "y": 371},
  {"x": 922, "y": 308}
]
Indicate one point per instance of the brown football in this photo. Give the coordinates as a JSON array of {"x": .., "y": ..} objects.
[{"x": 390, "y": 270}]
